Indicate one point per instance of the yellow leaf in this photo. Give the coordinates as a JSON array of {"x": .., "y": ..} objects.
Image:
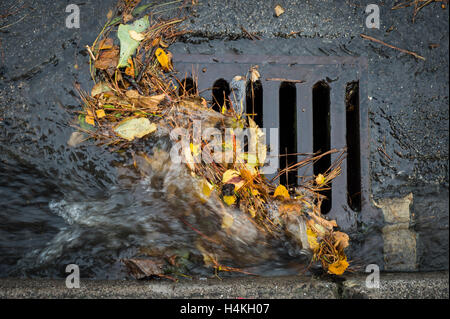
[
  {"x": 163, "y": 59},
  {"x": 206, "y": 188},
  {"x": 338, "y": 267},
  {"x": 229, "y": 200},
  {"x": 195, "y": 149},
  {"x": 100, "y": 113},
  {"x": 281, "y": 191},
  {"x": 89, "y": 113},
  {"x": 312, "y": 239},
  {"x": 208, "y": 259},
  {"x": 232, "y": 177},
  {"x": 189, "y": 160},
  {"x": 227, "y": 221},
  {"x": 252, "y": 212},
  {"x": 90, "y": 120},
  {"x": 229, "y": 174},
  {"x": 320, "y": 179}
]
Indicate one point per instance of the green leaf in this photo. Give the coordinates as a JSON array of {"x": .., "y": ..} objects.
[
  {"x": 128, "y": 45},
  {"x": 114, "y": 21},
  {"x": 83, "y": 124},
  {"x": 141, "y": 9}
]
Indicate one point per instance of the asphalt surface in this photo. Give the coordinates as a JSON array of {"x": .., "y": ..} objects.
[{"x": 408, "y": 98}]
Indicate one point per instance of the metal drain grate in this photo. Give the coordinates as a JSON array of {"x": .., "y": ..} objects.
[{"x": 321, "y": 113}]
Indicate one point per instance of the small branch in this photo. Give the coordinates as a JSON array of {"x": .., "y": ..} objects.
[
  {"x": 285, "y": 80},
  {"x": 90, "y": 52},
  {"x": 251, "y": 36},
  {"x": 391, "y": 46}
]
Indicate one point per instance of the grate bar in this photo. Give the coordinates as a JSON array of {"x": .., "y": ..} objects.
[{"x": 337, "y": 71}]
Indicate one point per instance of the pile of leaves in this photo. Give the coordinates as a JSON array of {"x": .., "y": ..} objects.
[{"x": 137, "y": 93}]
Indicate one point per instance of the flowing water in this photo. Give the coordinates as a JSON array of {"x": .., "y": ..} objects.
[{"x": 92, "y": 208}]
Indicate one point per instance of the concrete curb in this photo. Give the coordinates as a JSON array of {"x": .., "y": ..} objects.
[{"x": 392, "y": 286}]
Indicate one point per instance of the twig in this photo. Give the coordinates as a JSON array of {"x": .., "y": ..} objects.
[
  {"x": 285, "y": 80},
  {"x": 391, "y": 46},
  {"x": 90, "y": 52},
  {"x": 9, "y": 25},
  {"x": 251, "y": 36},
  {"x": 384, "y": 153}
]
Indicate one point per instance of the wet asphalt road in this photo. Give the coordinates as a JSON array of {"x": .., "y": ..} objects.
[{"x": 408, "y": 98}]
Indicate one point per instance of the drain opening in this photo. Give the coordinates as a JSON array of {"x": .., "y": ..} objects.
[
  {"x": 288, "y": 132},
  {"x": 187, "y": 87},
  {"x": 321, "y": 134},
  {"x": 254, "y": 101},
  {"x": 353, "y": 146},
  {"x": 220, "y": 93}
]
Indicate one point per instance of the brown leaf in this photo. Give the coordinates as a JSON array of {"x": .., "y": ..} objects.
[
  {"x": 141, "y": 268},
  {"x": 289, "y": 208},
  {"x": 328, "y": 224},
  {"x": 127, "y": 17},
  {"x": 149, "y": 102},
  {"x": 132, "y": 94},
  {"x": 106, "y": 44},
  {"x": 108, "y": 60},
  {"x": 341, "y": 240}
]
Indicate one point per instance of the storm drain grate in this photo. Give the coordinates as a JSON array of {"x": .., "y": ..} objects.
[{"x": 317, "y": 104}]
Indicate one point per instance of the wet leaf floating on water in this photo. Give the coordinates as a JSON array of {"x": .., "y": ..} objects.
[
  {"x": 341, "y": 239},
  {"x": 130, "y": 129},
  {"x": 232, "y": 177},
  {"x": 128, "y": 45},
  {"x": 142, "y": 268},
  {"x": 227, "y": 221},
  {"x": 229, "y": 199},
  {"x": 338, "y": 267},
  {"x": 206, "y": 189},
  {"x": 312, "y": 239},
  {"x": 282, "y": 192},
  {"x": 75, "y": 139}
]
